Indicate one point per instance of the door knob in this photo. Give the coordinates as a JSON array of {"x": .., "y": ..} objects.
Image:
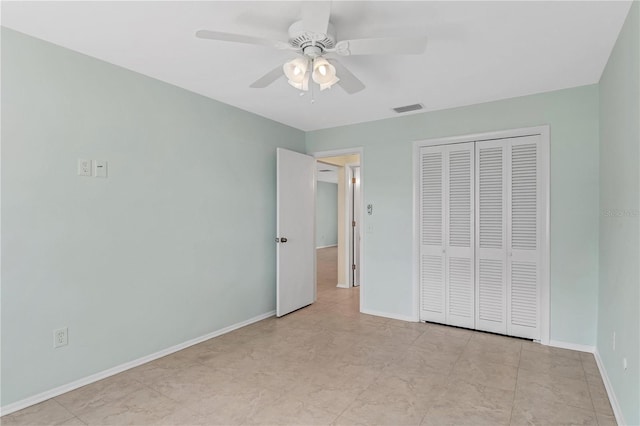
[{"x": 283, "y": 240}]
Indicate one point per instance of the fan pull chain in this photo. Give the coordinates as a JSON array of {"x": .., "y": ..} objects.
[{"x": 313, "y": 94}]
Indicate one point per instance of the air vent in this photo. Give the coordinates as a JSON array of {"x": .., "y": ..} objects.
[
  {"x": 407, "y": 108},
  {"x": 325, "y": 170}
]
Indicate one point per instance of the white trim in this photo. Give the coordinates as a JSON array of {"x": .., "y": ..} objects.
[
  {"x": 572, "y": 346},
  {"x": 330, "y": 245},
  {"x": 544, "y": 132},
  {"x": 615, "y": 405},
  {"x": 51, "y": 393},
  {"x": 350, "y": 196},
  {"x": 342, "y": 285},
  {"x": 545, "y": 290},
  {"x": 475, "y": 137},
  {"x": 346, "y": 192},
  {"x": 360, "y": 152},
  {"x": 387, "y": 315},
  {"x": 415, "y": 312},
  {"x": 337, "y": 152}
]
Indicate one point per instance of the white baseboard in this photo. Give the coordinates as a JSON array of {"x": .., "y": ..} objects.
[
  {"x": 341, "y": 285},
  {"x": 43, "y": 396},
  {"x": 572, "y": 346},
  {"x": 615, "y": 405},
  {"x": 388, "y": 315},
  {"x": 330, "y": 245}
]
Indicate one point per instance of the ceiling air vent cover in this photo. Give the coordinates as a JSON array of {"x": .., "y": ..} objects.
[{"x": 408, "y": 108}]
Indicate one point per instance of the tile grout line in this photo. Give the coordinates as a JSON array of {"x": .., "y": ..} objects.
[
  {"x": 595, "y": 412},
  {"x": 449, "y": 375},
  {"x": 102, "y": 380},
  {"x": 515, "y": 390}
]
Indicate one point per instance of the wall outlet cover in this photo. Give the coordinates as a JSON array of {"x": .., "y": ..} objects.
[
  {"x": 84, "y": 167},
  {"x": 60, "y": 337}
]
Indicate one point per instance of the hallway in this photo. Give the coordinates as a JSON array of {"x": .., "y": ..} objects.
[{"x": 346, "y": 300}]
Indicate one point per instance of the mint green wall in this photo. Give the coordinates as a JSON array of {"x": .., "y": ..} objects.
[
  {"x": 388, "y": 181},
  {"x": 157, "y": 249},
  {"x": 148, "y": 258},
  {"x": 619, "y": 301},
  {"x": 326, "y": 214}
]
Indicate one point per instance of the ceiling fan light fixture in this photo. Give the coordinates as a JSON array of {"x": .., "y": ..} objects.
[
  {"x": 296, "y": 70},
  {"x": 303, "y": 84},
  {"x": 324, "y": 73}
]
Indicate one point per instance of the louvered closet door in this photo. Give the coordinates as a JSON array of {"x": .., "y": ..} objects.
[
  {"x": 432, "y": 215},
  {"x": 524, "y": 237},
  {"x": 459, "y": 235},
  {"x": 447, "y": 234},
  {"x": 491, "y": 236}
]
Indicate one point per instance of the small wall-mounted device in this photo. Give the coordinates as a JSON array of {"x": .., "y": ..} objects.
[
  {"x": 100, "y": 168},
  {"x": 369, "y": 209}
]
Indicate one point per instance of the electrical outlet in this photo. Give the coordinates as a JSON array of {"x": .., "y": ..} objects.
[
  {"x": 84, "y": 167},
  {"x": 624, "y": 363},
  {"x": 60, "y": 337}
]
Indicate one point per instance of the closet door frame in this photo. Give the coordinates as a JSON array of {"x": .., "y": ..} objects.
[{"x": 543, "y": 132}]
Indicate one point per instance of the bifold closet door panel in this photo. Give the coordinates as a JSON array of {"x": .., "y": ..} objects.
[
  {"x": 491, "y": 236},
  {"x": 508, "y": 235},
  {"x": 432, "y": 239},
  {"x": 524, "y": 236},
  {"x": 447, "y": 234},
  {"x": 459, "y": 235}
]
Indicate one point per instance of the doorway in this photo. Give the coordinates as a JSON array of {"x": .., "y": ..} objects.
[{"x": 347, "y": 166}]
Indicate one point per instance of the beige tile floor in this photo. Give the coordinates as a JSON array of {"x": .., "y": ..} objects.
[{"x": 328, "y": 364}]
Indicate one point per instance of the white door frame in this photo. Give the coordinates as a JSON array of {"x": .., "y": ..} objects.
[
  {"x": 544, "y": 132},
  {"x": 360, "y": 152},
  {"x": 350, "y": 206}
]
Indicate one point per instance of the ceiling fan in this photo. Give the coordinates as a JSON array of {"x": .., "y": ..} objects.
[{"x": 313, "y": 38}]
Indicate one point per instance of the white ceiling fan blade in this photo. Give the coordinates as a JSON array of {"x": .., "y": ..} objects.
[
  {"x": 349, "y": 82},
  {"x": 382, "y": 46},
  {"x": 240, "y": 38},
  {"x": 315, "y": 16},
  {"x": 268, "y": 78}
]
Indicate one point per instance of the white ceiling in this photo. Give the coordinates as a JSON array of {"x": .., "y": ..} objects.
[{"x": 477, "y": 52}]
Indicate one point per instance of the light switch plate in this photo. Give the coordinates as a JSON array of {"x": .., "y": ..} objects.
[{"x": 100, "y": 167}]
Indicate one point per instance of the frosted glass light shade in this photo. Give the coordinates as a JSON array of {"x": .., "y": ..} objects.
[
  {"x": 324, "y": 73},
  {"x": 296, "y": 72}
]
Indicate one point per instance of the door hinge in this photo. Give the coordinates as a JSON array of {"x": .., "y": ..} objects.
[
  {"x": 353, "y": 180},
  {"x": 353, "y": 223},
  {"x": 353, "y": 267}
]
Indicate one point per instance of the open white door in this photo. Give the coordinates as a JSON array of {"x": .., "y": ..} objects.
[{"x": 296, "y": 253}]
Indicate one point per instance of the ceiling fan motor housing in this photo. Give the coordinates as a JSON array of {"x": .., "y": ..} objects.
[{"x": 311, "y": 44}]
